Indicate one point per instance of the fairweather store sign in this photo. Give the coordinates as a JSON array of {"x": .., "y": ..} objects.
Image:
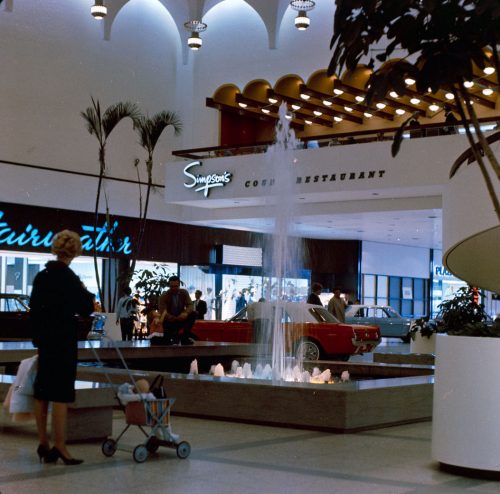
[
  {"x": 203, "y": 183},
  {"x": 33, "y": 237}
]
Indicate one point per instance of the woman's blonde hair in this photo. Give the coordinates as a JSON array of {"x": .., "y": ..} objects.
[{"x": 66, "y": 244}]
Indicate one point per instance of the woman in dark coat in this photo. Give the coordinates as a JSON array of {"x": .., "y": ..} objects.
[{"x": 57, "y": 296}]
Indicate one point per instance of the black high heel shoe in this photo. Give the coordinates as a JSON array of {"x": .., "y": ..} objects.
[
  {"x": 42, "y": 451},
  {"x": 54, "y": 454}
]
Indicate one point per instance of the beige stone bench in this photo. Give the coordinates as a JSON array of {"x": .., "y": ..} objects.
[{"x": 90, "y": 417}]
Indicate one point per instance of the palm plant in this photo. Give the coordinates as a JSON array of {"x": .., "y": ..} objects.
[
  {"x": 101, "y": 125},
  {"x": 440, "y": 42},
  {"x": 150, "y": 130}
]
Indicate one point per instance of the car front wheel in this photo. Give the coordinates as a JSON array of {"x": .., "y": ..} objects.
[{"x": 307, "y": 350}]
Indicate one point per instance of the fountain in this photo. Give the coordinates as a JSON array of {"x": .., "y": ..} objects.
[
  {"x": 283, "y": 392},
  {"x": 285, "y": 246}
]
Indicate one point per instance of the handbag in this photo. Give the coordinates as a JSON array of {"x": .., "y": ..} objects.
[{"x": 157, "y": 387}]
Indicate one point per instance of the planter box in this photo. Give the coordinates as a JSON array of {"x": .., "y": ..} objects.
[
  {"x": 422, "y": 344},
  {"x": 466, "y": 405}
]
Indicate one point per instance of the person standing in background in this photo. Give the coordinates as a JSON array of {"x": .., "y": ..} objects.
[
  {"x": 210, "y": 303},
  {"x": 200, "y": 306},
  {"x": 126, "y": 314},
  {"x": 336, "y": 305},
  {"x": 58, "y": 296},
  {"x": 314, "y": 295}
]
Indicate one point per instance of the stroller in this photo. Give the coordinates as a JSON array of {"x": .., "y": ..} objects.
[{"x": 145, "y": 413}]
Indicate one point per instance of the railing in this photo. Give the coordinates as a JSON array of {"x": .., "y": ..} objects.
[{"x": 339, "y": 139}]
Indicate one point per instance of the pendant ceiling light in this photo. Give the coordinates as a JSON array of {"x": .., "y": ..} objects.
[
  {"x": 99, "y": 10},
  {"x": 195, "y": 28},
  {"x": 302, "y": 6}
]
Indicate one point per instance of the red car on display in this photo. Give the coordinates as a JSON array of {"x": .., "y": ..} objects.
[{"x": 311, "y": 331}]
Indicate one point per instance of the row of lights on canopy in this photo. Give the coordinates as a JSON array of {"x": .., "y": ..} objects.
[
  {"x": 433, "y": 107},
  {"x": 99, "y": 11}
]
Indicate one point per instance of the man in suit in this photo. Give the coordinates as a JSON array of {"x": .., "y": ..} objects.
[
  {"x": 313, "y": 298},
  {"x": 200, "y": 306}
]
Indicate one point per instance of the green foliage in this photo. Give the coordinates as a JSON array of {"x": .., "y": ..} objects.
[
  {"x": 150, "y": 129},
  {"x": 438, "y": 40},
  {"x": 425, "y": 328},
  {"x": 152, "y": 283},
  {"x": 102, "y": 124},
  {"x": 462, "y": 316}
]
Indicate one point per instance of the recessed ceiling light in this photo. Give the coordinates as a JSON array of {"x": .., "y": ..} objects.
[
  {"x": 359, "y": 99},
  {"x": 338, "y": 119},
  {"x": 433, "y": 107},
  {"x": 348, "y": 109},
  {"x": 414, "y": 101},
  {"x": 380, "y": 105},
  {"x": 409, "y": 81},
  {"x": 468, "y": 84},
  {"x": 243, "y": 105},
  {"x": 318, "y": 113},
  {"x": 338, "y": 91},
  {"x": 308, "y": 122},
  {"x": 400, "y": 111},
  {"x": 393, "y": 94},
  {"x": 272, "y": 100},
  {"x": 487, "y": 91},
  {"x": 265, "y": 110},
  {"x": 489, "y": 70},
  {"x": 296, "y": 107},
  {"x": 304, "y": 96},
  {"x": 327, "y": 102},
  {"x": 367, "y": 114},
  {"x": 449, "y": 96}
]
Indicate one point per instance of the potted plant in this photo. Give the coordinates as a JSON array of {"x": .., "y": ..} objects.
[
  {"x": 423, "y": 336},
  {"x": 438, "y": 45},
  {"x": 467, "y": 349}
]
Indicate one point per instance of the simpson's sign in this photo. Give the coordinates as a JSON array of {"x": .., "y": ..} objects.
[{"x": 204, "y": 183}]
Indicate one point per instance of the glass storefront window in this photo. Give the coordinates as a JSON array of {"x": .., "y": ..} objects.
[
  {"x": 196, "y": 278},
  {"x": 382, "y": 290},
  {"x": 237, "y": 291},
  {"x": 18, "y": 270}
]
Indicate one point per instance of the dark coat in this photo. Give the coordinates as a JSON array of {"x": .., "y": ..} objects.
[
  {"x": 200, "y": 308},
  {"x": 314, "y": 299},
  {"x": 57, "y": 296}
]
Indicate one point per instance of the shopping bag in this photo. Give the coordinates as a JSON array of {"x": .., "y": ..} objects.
[
  {"x": 25, "y": 378},
  {"x": 157, "y": 387}
]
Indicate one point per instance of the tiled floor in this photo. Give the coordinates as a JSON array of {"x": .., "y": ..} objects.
[
  {"x": 237, "y": 458},
  {"x": 241, "y": 458}
]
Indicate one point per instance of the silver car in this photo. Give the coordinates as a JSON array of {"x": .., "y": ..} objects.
[{"x": 391, "y": 323}]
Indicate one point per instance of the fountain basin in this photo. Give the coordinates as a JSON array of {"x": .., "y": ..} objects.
[{"x": 341, "y": 407}]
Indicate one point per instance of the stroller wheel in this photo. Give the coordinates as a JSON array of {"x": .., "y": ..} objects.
[
  {"x": 152, "y": 444},
  {"x": 140, "y": 453},
  {"x": 108, "y": 447},
  {"x": 183, "y": 449}
]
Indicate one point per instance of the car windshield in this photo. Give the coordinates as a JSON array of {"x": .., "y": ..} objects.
[
  {"x": 322, "y": 315},
  {"x": 392, "y": 313}
]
